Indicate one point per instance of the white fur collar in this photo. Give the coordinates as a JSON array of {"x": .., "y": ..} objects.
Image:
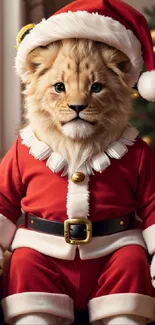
[{"x": 56, "y": 162}]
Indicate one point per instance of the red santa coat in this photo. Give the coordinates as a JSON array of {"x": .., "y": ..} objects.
[
  {"x": 127, "y": 185},
  {"x": 30, "y": 178}
]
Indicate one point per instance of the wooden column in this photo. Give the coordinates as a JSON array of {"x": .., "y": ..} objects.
[
  {"x": 36, "y": 10},
  {"x": 11, "y": 91},
  {"x": 54, "y": 5}
]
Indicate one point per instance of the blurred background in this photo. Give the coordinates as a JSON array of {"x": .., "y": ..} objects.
[{"x": 16, "y": 13}]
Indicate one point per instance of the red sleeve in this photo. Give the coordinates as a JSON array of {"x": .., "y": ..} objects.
[
  {"x": 11, "y": 193},
  {"x": 11, "y": 187},
  {"x": 146, "y": 196}
]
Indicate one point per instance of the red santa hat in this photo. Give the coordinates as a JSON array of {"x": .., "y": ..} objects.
[{"x": 109, "y": 21}]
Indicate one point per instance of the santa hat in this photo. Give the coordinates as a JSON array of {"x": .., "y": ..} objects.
[{"x": 109, "y": 21}]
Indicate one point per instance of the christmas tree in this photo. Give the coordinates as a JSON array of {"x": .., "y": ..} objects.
[{"x": 143, "y": 117}]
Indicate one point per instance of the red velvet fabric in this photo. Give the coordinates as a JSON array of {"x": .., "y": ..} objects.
[
  {"x": 124, "y": 271},
  {"x": 125, "y": 186}
]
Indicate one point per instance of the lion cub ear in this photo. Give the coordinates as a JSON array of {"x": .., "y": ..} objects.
[
  {"x": 118, "y": 62},
  {"x": 34, "y": 59},
  {"x": 41, "y": 59},
  {"x": 36, "y": 65}
]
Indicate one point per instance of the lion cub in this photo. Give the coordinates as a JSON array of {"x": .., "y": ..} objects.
[{"x": 76, "y": 97}]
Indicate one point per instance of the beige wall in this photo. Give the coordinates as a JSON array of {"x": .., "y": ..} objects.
[{"x": 139, "y": 4}]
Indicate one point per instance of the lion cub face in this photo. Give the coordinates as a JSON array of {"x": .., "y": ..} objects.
[{"x": 78, "y": 87}]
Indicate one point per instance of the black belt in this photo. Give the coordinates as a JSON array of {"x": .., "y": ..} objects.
[{"x": 77, "y": 231}]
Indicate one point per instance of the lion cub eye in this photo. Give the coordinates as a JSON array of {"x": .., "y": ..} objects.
[
  {"x": 59, "y": 87},
  {"x": 96, "y": 87}
]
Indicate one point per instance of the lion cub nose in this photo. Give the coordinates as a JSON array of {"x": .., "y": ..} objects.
[{"x": 77, "y": 108}]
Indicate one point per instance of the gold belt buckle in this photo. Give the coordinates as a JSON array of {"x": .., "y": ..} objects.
[{"x": 69, "y": 222}]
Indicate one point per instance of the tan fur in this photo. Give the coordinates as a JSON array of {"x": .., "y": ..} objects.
[{"x": 78, "y": 64}]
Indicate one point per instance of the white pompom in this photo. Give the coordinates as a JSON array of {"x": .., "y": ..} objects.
[{"x": 146, "y": 85}]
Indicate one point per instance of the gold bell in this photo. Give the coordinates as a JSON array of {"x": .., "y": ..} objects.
[
  {"x": 78, "y": 177},
  {"x": 22, "y": 33}
]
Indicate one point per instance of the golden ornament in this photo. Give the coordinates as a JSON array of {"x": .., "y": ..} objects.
[
  {"x": 135, "y": 94},
  {"x": 23, "y": 32},
  {"x": 153, "y": 39},
  {"x": 153, "y": 35},
  {"x": 147, "y": 139},
  {"x": 78, "y": 177}
]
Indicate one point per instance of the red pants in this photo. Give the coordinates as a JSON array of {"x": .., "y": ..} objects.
[{"x": 124, "y": 271}]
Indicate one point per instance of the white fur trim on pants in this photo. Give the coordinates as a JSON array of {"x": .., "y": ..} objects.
[
  {"x": 35, "y": 302},
  {"x": 124, "y": 320},
  {"x": 121, "y": 304},
  {"x": 56, "y": 246},
  {"x": 39, "y": 319},
  {"x": 7, "y": 231}
]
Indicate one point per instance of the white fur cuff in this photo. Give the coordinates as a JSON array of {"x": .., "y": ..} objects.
[
  {"x": 1, "y": 260},
  {"x": 7, "y": 231},
  {"x": 32, "y": 303},
  {"x": 132, "y": 304},
  {"x": 152, "y": 271},
  {"x": 149, "y": 237}
]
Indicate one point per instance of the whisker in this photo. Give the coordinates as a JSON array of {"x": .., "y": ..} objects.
[
  {"x": 103, "y": 124},
  {"x": 52, "y": 122},
  {"x": 110, "y": 120}
]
